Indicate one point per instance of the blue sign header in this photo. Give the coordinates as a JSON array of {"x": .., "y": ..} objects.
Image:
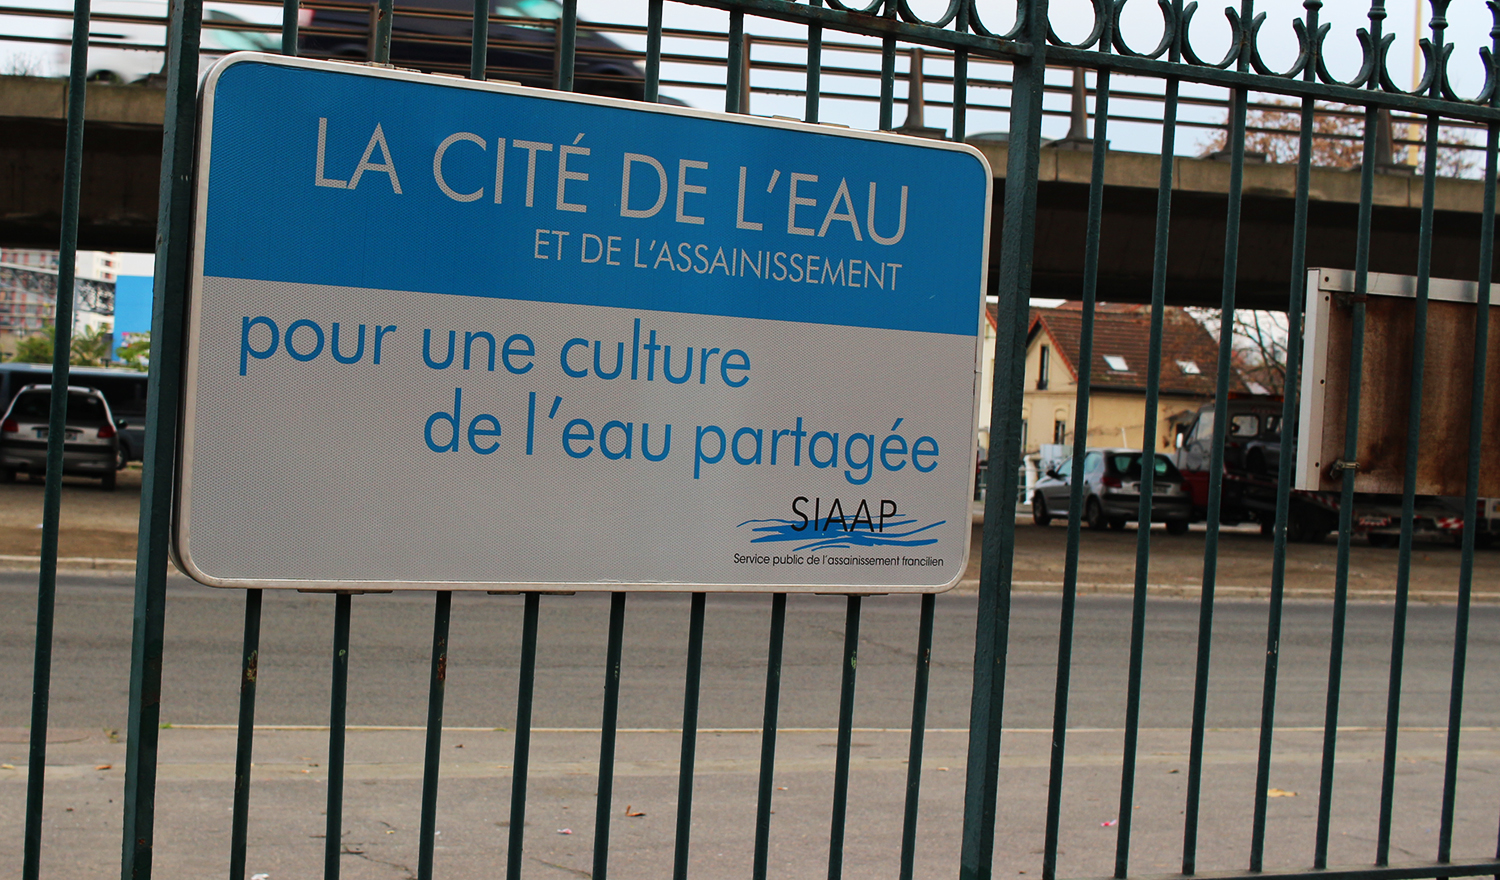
[{"x": 398, "y": 182}]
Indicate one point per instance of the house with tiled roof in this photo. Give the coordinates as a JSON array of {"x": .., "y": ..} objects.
[{"x": 1117, "y": 386}]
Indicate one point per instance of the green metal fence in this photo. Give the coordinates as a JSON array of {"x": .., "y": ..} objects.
[{"x": 1029, "y": 47}]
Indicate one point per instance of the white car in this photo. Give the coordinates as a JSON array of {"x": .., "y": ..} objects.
[{"x": 124, "y": 51}]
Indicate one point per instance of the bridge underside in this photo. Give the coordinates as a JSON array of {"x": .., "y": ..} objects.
[
  {"x": 1195, "y": 257},
  {"x": 122, "y": 166}
]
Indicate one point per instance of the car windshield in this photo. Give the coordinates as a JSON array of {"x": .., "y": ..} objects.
[
  {"x": 1128, "y": 465},
  {"x": 36, "y": 406}
]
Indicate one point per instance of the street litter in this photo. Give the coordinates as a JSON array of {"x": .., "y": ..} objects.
[
  {"x": 632, "y": 813},
  {"x": 1109, "y": 824},
  {"x": 1277, "y": 792},
  {"x": 564, "y": 831}
]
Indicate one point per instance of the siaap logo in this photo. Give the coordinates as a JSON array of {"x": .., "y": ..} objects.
[{"x": 829, "y": 523}]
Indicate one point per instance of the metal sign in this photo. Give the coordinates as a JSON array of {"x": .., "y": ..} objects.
[{"x": 466, "y": 335}]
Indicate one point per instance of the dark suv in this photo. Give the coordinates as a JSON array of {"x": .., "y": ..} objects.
[
  {"x": 91, "y": 446},
  {"x": 434, "y": 36}
]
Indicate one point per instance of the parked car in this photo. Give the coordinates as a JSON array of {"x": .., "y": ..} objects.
[
  {"x": 1248, "y": 491},
  {"x": 91, "y": 446},
  {"x": 1112, "y": 491},
  {"x": 434, "y": 36},
  {"x": 124, "y": 391}
]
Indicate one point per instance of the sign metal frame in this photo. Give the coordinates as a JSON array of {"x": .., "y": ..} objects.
[{"x": 182, "y": 551}]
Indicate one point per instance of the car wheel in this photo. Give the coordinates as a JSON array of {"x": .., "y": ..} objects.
[
  {"x": 1177, "y": 527},
  {"x": 7, "y": 475},
  {"x": 1039, "y": 514},
  {"x": 1380, "y": 539},
  {"x": 1118, "y": 523},
  {"x": 1093, "y": 514},
  {"x": 107, "y": 482}
]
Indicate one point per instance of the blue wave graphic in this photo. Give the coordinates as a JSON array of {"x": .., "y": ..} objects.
[{"x": 781, "y": 530}]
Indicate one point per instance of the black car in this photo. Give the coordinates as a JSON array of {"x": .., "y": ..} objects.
[{"x": 434, "y": 36}]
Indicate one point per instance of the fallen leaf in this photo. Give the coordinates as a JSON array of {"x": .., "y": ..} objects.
[
  {"x": 459, "y": 746},
  {"x": 564, "y": 831},
  {"x": 7, "y": 766},
  {"x": 1277, "y": 792},
  {"x": 1170, "y": 772},
  {"x": 942, "y": 769},
  {"x": 104, "y": 766},
  {"x": 631, "y": 812},
  {"x": 781, "y": 788},
  {"x": 1109, "y": 823},
  {"x": 390, "y": 831}
]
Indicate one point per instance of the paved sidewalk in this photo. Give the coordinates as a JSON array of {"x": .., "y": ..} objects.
[{"x": 382, "y": 796}]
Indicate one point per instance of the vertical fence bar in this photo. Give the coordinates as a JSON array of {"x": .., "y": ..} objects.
[
  {"x": 1413, "y": 460},
  {"x": 1216, "y": 464},
  {"x": 887, "y": 83},
  {"x": 607, "y": 735},
  {"x": 338, "y": 704},
  {"x": 1476, "y": 459},
  {"x": 1080, "y": 440},
  {"x": 777, "y": 640},
  {"x": 735, "y": 71},
  {"x": 245, "y": 736},
  {"x": 479, "y": 44},
  {"x": 814, "y": 67},
  {"x": 1143, "y": 557},
  {"x": 845, "y": 740},
  {"x": 961, "y": 77},
  {"x": 173, "y": 242},
  {"x": 380, "y": 49},
  {"x": 1351, "y": 452},
  {"x": 653, "y": 50},
  {"x": 690, "y": 694},
  {"x": 1289, "y": 412},
  {"x": 57, "y": 417},
  {"x": 1013, "y": 286},
  {"x": 289, "y": 22},
  {"x": 437, "y": 685},
  {"x": 521, "y": 764},
  {"x": 567, "y": 44},
  {"x": 918, "y": 735}
]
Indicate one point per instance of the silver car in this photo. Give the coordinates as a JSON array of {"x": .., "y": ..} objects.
[
  {"x": 91, "y": 446},
  {"x": 1112, "y": 491}
]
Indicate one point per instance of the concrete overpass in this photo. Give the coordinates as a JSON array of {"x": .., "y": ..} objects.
[{"x": 122, "y": 149}]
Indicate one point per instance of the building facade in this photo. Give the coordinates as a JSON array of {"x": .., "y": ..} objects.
[{"x": 1117, "y": 388}]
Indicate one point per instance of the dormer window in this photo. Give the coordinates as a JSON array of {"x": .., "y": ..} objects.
[
  {"x": 1117, "y": 363},
  {"x": 1189, "y": 368}
]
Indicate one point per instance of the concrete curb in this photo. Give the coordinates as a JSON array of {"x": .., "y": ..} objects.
[{"x": 68, "y": 563}]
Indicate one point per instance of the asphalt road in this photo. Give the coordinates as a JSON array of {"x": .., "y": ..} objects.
[
  {"x": 389, "y": 669},
  {"x": 392, "y": 638}
]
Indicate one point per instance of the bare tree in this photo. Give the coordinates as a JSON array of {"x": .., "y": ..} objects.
[
  {"x": 1257, "y": 344},
  {"x": 1338, "y": 137}
]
